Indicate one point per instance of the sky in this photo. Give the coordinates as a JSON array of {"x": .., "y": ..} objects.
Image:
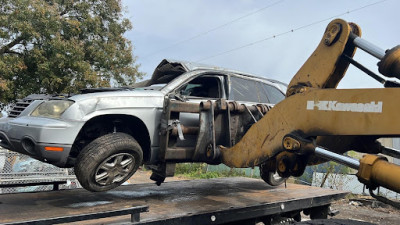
[{"x": 239, "y": 34}]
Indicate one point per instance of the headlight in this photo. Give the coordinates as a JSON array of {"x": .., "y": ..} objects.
[
  {"x": 3, "y": 114},
  {"x": 52, "y": 108}
]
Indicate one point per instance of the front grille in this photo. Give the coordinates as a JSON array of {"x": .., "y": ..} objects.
[{"x": 19, "y": 107}]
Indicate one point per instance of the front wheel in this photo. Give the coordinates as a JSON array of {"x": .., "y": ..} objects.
[{"x": 108, "y": 161}]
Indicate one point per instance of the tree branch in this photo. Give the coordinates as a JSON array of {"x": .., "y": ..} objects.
[
  {"x": 7, "y": 47},
  {"x": 12, "y": 52},
  {"x": 67, "y": 8}
]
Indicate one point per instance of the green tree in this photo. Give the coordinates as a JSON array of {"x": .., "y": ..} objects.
[{"x": 61, "y": 46}]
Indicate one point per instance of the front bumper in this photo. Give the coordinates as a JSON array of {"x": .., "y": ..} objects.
[{"x": 31, "y": 135}]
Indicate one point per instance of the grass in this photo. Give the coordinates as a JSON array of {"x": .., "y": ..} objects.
[
  {"x": 199, "y": 171},
  {"x": 352, "y": 196}
]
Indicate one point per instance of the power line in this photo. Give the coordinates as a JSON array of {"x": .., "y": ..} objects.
[
  {"x": 213, "y": 29},
  {"x": 289, "y": 31}
]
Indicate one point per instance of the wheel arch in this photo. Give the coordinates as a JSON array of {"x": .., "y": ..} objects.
[{"x": 104, "y": 124}]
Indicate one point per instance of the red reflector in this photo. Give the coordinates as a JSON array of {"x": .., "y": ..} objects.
[{"x": 54, "y": 149}]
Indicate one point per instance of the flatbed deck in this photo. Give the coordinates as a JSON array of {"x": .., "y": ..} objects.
[{"x": 213, "y": 201}]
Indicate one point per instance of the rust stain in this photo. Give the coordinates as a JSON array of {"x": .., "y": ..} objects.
[
  {"x": 167, "y": 201},
  {"x": 265, "y": 139},
  {"x": 272, "y": 138}
]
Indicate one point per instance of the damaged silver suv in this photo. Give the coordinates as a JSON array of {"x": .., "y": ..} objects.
[{"x": 182, "y": 114}]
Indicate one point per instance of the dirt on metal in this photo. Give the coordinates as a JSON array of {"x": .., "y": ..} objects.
[{"x": 170, "y": 200}]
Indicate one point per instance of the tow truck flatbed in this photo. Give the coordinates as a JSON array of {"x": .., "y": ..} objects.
[{"x": 212, "y": 201}]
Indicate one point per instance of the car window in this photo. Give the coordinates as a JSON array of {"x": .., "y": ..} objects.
[
  {"x": 243, "y": 90},
  {"x": 262, "y": 94},
  {"x": 204, "y": 86},
  {"x": 274, "y": 95},
  {"x": 283, "y": 87}
]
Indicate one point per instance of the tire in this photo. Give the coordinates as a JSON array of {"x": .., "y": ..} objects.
[
  {"x": 271, "y": 178},
  {"x": 108, "y": 161}
]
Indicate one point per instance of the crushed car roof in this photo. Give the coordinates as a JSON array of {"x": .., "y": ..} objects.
[{"x": 168, "y": 69}]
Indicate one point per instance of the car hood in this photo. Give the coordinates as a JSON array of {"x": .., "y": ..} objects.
[
  {"x": 115, "y": 102},
  {"x": 124, "y": 93}
]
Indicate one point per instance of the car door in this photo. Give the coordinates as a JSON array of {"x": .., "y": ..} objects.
[{"x": 202, "y": 88}]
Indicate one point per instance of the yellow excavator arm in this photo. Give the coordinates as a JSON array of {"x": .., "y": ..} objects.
[{"x": 315, "y": 114}]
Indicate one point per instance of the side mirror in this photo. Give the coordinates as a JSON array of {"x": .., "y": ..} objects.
[{"x": 178, "y": 96}]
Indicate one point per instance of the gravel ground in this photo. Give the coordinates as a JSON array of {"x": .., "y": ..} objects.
[{"x": 368, "y": 210}]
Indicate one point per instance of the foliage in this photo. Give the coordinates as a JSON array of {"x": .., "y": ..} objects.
[
  {"x": 199, "y": 171},
  {"x": 330, "y": 168},
  {"x": 61, "y": 46}
]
